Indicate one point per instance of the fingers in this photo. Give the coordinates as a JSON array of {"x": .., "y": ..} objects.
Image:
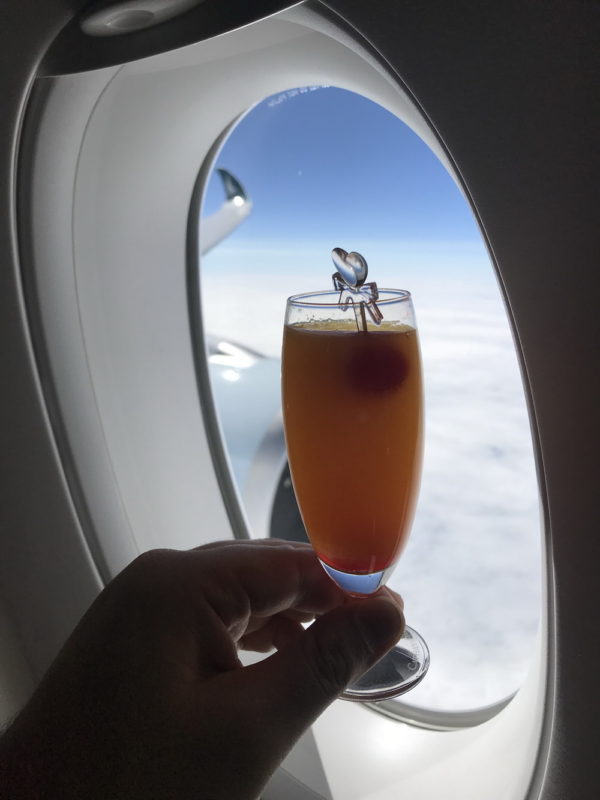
[
  {"x": 264, "y": 634},
  {"x": 260, "y": 578},
  {"x": 253, "y": 593},
  {"x": 299, "y": 681},
  {"x": 387, "y": 592},
  {"x": 276, "y": 633}
]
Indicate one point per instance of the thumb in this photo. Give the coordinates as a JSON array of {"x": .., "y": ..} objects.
[{"x": 298, "y": 682}]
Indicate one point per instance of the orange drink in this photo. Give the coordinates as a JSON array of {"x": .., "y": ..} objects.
[{"x": 353, "y": 415}]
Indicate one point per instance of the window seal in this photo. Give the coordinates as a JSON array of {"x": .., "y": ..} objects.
[
  {"x": 435, "y": 720},
  {"x": 216, "y": 443}
]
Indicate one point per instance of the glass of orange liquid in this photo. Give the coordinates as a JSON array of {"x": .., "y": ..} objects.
[{"x": 353, "y": 414}]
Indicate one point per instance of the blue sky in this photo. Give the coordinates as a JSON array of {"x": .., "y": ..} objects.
[{"x": 326, "y": 165}]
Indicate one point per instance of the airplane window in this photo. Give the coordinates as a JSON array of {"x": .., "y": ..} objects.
[{"x": 320, "y": 167}]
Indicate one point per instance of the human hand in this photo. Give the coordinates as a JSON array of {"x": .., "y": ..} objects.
[{"x": 148, "y": 698}]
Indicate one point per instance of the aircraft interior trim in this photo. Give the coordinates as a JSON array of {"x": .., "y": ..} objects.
[{"x": 110, "y": 439}]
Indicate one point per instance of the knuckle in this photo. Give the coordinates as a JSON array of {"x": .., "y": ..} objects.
[
  {"x": 152, "y": 570},
  {"x": 331, "y": 668},
  {"x": 151, "y": 560}
]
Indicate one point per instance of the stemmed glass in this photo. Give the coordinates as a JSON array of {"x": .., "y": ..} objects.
[{"x": 353, "y": 416}]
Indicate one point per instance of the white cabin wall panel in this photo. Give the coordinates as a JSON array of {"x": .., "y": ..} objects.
[
  {"x": 46, "y": 572},
  {"x": 66, "y": 106},
  {"x": 494, "y": 760},
  {"x": 130, "y": 240}
]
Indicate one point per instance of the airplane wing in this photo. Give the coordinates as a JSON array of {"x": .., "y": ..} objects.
[{"x": 232, "y": 213}]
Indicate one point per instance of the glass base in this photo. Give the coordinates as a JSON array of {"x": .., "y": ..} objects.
[
  {"x": 398, "y": 671},
  {"x": 357, "y": 584}
]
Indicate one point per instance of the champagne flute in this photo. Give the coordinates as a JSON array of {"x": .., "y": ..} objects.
[{"x": 353, "y": 416}]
